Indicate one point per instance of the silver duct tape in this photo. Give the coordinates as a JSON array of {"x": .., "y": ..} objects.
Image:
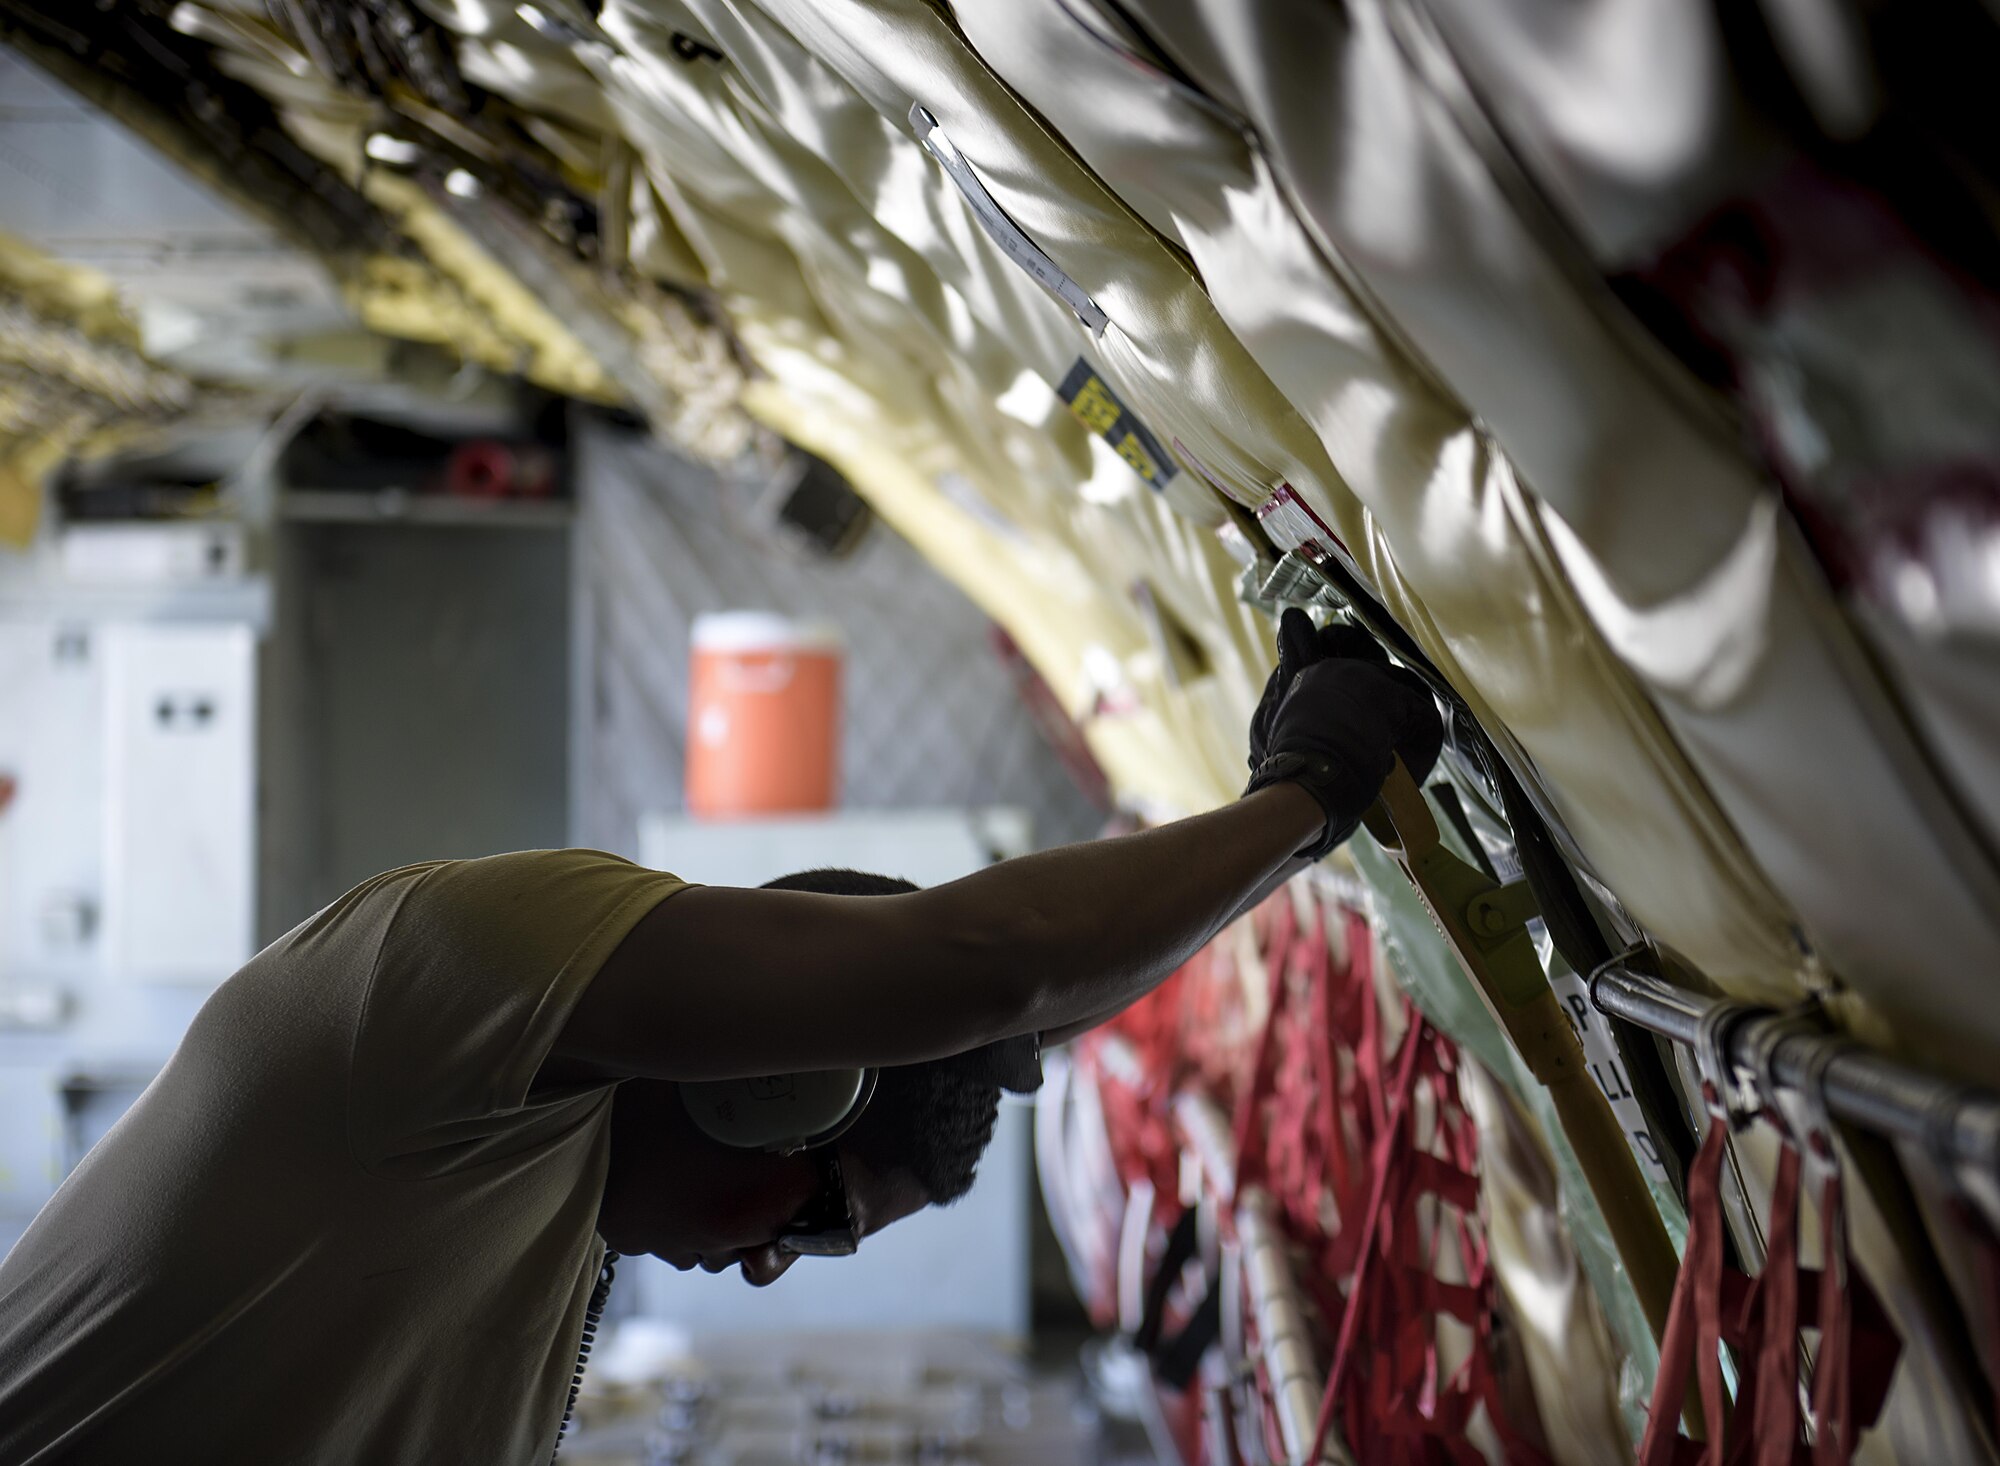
[
  {"x": 1217, "y": 1421},
  {"x": 1292, "y": 1359},
  {"x": 1132, "y": 1235},
  {"x": 1284, "y": 1337},
  {"x": 1231, "y": 1330},
  {"x": 1205, "y": 1131},
  {"x": 1298, "y": 1413}
]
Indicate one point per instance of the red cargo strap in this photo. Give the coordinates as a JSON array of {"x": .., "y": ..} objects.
[
  {"x": 1693, "y": 1318},
  {"x": 1250, "y": 1152},
  {"x": 1371, "y": 1222},
  {"x": 1985, "y": 1314},
  {"x": 1774, "y": 1415},
  {"x": 1397, "y": 1407},
  {"x": 1859, "y": 1345},
  {"x": 1349, "y": 1159},
  {"x": 1761, "y": 1319},
  {"x": 1833, "y": 1377}
]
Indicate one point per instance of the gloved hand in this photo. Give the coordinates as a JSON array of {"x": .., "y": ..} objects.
[
  {"x": 1299, "y": 647},
  {"x": 1337, "y": 731}
]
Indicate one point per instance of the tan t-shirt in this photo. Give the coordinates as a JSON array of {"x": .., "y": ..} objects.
[{"x": 338, "y": 1227}]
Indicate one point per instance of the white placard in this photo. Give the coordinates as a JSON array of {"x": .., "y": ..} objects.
[{"x": 1607, "y": 1069}]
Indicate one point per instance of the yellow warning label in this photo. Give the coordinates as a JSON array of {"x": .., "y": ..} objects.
[
  {"x": 1134, "y": 452},
  {"x": 1097, "y": 407}
]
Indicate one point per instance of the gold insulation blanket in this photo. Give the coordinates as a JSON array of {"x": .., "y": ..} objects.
[{"x": 74, "y": 379}]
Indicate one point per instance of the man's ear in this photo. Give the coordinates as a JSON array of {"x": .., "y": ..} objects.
[{"x": 880, "y": 1196}]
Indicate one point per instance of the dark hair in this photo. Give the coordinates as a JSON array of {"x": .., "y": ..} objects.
[
  {"x": 932, "y": 1120},
  {"x": 834, "y": 881}
]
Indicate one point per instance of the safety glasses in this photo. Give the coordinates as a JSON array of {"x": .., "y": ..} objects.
[{"x": 825, "y": 1228}]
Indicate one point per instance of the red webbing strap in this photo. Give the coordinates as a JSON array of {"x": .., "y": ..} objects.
[
  {"x": 1434, "y": 1175},
  {"x": 1411, "y": 1400},
  {"x": 1774, "y": 1415},
  {"x": 1706, "y": 1201},
  {"x": 1858, "y": 1348},
  {"x": 1833, "y": 1389},
  {"x": 1334, "y": 1168},
  {"x": 1142, "y": 1142},
  {"x": 1742, "y": 1331},
  {"x": 1316, "y": 1115},
  {"x": 1357, "y": 1020},
  {"x": 1694, "y": 1319},
  {"x": 1985, "y": 1264},
  {"x": 1297, "y": 1138},
  {"x": 1405, "y": 1085},
  {"x": 1405, "y": 1409},
  {"x": 1250, "y": 1153},
  {"x": 1369, "y": 1106},
  {"x": 1761, "y": 1319},
  {"x": 1368, "y": 1061}
]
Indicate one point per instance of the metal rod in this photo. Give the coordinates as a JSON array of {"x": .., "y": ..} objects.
[{"x": 1959, "y": 1124}]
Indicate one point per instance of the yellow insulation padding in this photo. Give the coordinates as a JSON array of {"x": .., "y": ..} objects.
[{"x": 73, "y": 376}]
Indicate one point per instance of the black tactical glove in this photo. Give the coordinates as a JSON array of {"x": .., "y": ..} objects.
[
  {"x": 1299, "y": 647},
  {"x": 1337, "y": 732}
]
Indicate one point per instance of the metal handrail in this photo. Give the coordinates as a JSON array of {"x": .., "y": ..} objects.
[{"x": 1957, "y": 1124}]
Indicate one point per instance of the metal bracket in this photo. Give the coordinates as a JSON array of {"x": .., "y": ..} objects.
[
  {"x": 1485, "y": 924},
  {"x": 1502, "y": 911},
  {"x": 1720, "y": 1094},
  {"x": 1294, "y": 580},
  {"x": 1250, "y": 588}
]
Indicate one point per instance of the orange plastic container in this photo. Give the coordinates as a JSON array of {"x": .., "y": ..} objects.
[{"x": 763, "y": 715}]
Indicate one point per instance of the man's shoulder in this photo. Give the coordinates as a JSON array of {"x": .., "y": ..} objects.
[{"x": 508, "y": 876}]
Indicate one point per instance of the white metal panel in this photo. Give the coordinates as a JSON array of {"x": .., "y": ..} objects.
[
  {"x": 51, "y": 745},
  {"x": 926, "y": 846},
  {"x": 178, "y": 798},
  {"x": 121, "y": 553},
  {"x": 30, "y": 1142}
]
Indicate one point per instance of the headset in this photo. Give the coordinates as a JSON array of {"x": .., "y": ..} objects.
[{"x": 784, "y": 1113}]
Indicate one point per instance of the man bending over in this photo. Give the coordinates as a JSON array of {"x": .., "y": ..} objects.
[{"x": 359, "y": 1216}]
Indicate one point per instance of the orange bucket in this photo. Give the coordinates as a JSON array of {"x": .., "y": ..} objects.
[{"x": 763, "y": 731}]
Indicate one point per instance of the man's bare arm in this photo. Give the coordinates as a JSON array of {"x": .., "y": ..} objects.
[
  {"x": 721, "y": 983},
  {"x": 1256, "y": 898}
]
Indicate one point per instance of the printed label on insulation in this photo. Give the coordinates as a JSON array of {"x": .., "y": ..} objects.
[
  {"x": 1097, "y": 407},
  {"x": 1600, "y": 1053}
]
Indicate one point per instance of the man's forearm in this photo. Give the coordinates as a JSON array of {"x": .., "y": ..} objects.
[
  {"x": 1090, "y": 928},
  {"x": 1256, "y": 898}
]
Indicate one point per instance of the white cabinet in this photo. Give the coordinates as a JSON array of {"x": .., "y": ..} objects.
[
  {"x": 30, "y": 1145},
  {"x": 179, "y": 791},
  {"x": 51, "y": 760}
]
